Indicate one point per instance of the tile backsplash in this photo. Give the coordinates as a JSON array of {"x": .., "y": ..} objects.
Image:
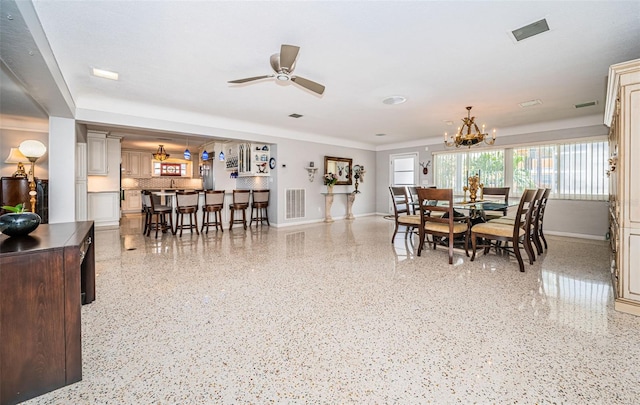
[{"x": 162, "y": 182}]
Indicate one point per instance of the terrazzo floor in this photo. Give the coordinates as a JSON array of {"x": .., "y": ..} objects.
[{"x": 335, "y": 314}]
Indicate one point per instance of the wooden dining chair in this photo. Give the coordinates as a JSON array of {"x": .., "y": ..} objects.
[
  {"x": 401, "y": 211},
  {"x": 538, "y": 224},
  {"x": 532, "y": 238},
  {"x": 431, "y": 202},
  {"x": 506, "y": 233},
  {"x": 497, "y": 193}
]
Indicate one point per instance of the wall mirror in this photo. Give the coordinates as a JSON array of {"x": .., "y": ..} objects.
[{"x": 341, "y": 167}]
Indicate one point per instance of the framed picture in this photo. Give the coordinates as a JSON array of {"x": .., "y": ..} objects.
[{"x": 341, "y": 167}]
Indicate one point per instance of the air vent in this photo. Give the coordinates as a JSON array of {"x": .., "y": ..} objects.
[
  {"x": 587, "y": 104},
  {"x": 530, "y": 30},
  {"x": 295, "y": 203},
  {"x": 530, "y": 103},
  {"x": 295, "y": 115}
]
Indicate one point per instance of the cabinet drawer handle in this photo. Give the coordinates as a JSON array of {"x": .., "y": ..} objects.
[
  {"x": 82, "y": 254},
  {"x": 89, "y": 240}
]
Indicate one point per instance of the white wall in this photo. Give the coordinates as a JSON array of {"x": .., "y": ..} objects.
[{"x": 62, "y": 170}]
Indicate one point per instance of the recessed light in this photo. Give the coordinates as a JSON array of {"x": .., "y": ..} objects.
[
  {"x": 294, "y": 115},
  {"x": 530, "y": 103},
  {"x": 393, "y": 100},
  {"x": 449, "y": 122},
  {"x": 381, "y": 134},
  {"x": 105, "y": 74}
]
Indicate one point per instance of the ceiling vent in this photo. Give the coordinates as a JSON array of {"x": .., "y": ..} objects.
[
  {"x": 294, "y": 115},
  {"x": 530, "y": 30},
  {"x": 587, "y": 104},
  {"x": 530, "y": 103}
]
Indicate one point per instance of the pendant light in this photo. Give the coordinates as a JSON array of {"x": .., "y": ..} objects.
[
  {"x": 187, "y": 153},
  {"x": 221, "y": 156},
  {"x": 205, "y": 155}
]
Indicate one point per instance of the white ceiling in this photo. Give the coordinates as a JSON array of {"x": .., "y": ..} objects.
[{"x": 174, "y": 59}]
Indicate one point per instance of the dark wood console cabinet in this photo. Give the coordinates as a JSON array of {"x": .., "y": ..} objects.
[{"x": 43, "y": 279}]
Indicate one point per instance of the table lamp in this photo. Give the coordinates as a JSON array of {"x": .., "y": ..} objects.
[
  {"x": 32, "y": 150},
  {"x": 16, "y": 157}
]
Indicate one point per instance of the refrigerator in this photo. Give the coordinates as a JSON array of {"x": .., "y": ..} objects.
[{"x": 206, "y": 172}]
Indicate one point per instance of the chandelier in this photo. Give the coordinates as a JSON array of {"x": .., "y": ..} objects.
[
  {"x": 160, "y": 154},
  {"x": 469, "y": 134}
]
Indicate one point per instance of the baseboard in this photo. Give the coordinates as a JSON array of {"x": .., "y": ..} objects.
[
  {"x": 320, "y": 220},
  {"x": 574, "y": 235}
]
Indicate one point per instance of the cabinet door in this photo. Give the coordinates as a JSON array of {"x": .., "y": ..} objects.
[
  {"x": 134, "y": 164},
  {"x": 97, "y": 155},
  {"x": 104, "y": 208},
  {"x": 145, "y": 165}
]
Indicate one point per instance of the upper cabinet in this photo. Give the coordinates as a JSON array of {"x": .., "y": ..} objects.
[
  {"x": 136, "y": 164},
  {"x": 97, "y": 153},
  {"x": 253, "y": 159}
]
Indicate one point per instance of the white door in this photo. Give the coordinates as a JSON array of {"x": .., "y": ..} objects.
[{"x": 403, "y": 171}]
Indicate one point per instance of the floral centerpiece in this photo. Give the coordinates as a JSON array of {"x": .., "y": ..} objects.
[{"x": 330, "y": 180}]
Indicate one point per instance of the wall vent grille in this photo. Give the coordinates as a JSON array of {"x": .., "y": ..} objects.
[{"x": 295, "y": 203}]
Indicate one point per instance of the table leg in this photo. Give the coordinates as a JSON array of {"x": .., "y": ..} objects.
[{"x": 328, "y": 202}]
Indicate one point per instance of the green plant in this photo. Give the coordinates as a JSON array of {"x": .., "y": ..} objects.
[{"x": 17, "y": 209}]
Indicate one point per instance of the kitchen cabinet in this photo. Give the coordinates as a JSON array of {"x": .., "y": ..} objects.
[
  {"x": 104, "y": 208},
  {"x": 622, "y": 115},
  {"x": 97, "y": 153},
  {"x": 136, "y": 164},
  {"x": 253, "y": 159},
  {"x": 132, "y": 201},
  {"x": 44, "y": 280}
]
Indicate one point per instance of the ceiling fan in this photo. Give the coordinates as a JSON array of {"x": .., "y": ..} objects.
[{"x": 283, "y": 64}]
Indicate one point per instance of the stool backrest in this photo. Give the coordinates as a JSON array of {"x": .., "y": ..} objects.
[
  {"x": 260, "y": 196},
  {"x": 241, "y": 196},
  {"x": 186, "y": 198},
  {"x": 214, "y": 197}
]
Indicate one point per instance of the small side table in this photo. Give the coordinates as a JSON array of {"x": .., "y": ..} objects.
[{"x": 328, "y": 202}]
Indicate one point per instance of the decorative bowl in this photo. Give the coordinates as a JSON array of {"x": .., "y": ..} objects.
[{"x": 19, "y": 224}]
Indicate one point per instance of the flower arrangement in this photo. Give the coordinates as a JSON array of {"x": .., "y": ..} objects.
[{"x": 330, "y": 179}]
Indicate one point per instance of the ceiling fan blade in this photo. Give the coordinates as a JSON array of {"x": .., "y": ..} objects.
[
  {"x": 308, "y": 84},
  {"x": 288, "y": 55},
  {"x": 249, "y": 79},
  {"x": 275, "y": 62}
]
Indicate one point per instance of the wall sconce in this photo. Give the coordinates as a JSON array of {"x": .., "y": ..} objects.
[
  {"x": 32, "y": 150},
  {"x": 311, "y": 171},
  {"x": 16, "y": 157}
]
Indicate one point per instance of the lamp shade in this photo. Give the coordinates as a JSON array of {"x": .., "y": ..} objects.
[
  {"x": 15, "y": 156},
  {"x": 32, "y": 149}
]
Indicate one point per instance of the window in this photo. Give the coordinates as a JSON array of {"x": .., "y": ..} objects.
[
  {"x": 574, "y": 171},
  {"x": 160, "y": 169},
  {"x": 453, "y": 169}
]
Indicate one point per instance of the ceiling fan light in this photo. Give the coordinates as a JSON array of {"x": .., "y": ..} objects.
[{"x": 283, "y": 77}]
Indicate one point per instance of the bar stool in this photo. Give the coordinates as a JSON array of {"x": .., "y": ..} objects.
[
  {"x": 240, "y": 202},
  {"x": 213, "y": 203},
  {"x": 161, "y": 213},
  {"x": 186, "y": 204},
  {"x": 259, "y": 205}
]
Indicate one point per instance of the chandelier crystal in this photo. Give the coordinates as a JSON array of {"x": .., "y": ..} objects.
[
  {"x": 469, "y": 134},
  {"x": 160, "y": 154}
]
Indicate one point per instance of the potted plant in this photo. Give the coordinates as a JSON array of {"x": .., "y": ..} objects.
[
  {"x": 330, "y": 180},
  {"x": 18, "y": 222}
]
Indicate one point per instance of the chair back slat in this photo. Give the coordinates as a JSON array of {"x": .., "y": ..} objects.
[
  {"x": 186, "y": 198},
  {"x": 214, "y": 197},
  {"x": 400, "y": 200},
  {"x": 260, "y": 196},
  {"x": 241, "y": 196},
  {"x": 432, "y": 200}
]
